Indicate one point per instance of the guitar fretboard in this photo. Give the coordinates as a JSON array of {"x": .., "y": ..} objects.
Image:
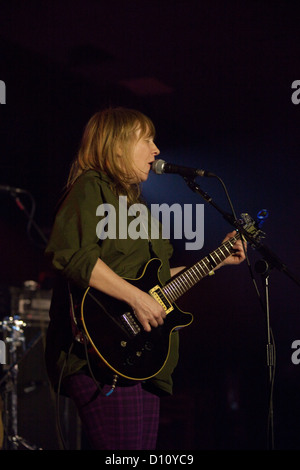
[{"x": 183, "y": 282}]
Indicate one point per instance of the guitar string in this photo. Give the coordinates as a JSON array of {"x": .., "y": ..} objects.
[{"x": 174, "y": 289}]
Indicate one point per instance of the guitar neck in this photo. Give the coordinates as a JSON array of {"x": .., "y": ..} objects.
[{"x": 185, "y": 281}]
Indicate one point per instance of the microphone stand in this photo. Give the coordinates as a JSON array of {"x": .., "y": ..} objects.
[
  {"x": 262, "y": 267},
  {"x": 13, "y": 327},
  {"x": 269, "y": 261},
  {"x": 10, "y": 379}
]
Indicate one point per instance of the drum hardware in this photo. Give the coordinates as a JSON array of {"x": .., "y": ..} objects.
[{"x": 13, "y": 335}]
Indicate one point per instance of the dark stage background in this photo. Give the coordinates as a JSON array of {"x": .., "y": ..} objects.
[{"x": 216, "y": 78}]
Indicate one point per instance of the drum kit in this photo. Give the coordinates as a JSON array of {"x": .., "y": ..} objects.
[{"x": 29, "y": 308}]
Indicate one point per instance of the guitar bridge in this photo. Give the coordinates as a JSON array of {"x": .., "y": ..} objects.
[
  {"x": 157, "y": 293},
  {"x": 130, "y": 324}
]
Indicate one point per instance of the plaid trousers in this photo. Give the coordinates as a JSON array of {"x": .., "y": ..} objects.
[{"x": 128, "y": 419}]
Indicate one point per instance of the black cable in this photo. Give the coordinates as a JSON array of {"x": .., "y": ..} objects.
[
  {"x": 30, "y": 216},
  {"x": 58, "y": 391},
  {"x": 115, "y": 377},
  {"x": 243, "y": 243}
]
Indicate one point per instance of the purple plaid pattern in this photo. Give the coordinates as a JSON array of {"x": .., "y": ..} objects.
[{"x": 126, "y": 420}]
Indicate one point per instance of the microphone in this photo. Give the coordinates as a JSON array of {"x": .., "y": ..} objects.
[
  {"x": 160, "y": 166},
  {"x": 11, "y": 189}
]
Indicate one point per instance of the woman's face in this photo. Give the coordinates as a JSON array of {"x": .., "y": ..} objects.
[{"x": 143, "y": 155}]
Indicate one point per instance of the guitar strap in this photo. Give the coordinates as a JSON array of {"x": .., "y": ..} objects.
[
  {"x": 147, "y": 231},
  {"x": 152, "y": 254}
]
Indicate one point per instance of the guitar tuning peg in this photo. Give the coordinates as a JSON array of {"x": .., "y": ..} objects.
[{"x": 252, "y": 227}]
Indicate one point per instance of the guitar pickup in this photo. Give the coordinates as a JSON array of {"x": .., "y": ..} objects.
[{"x": 157, "y": 293}]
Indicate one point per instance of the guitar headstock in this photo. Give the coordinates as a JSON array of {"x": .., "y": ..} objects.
[{"x": 250, "y": 229}]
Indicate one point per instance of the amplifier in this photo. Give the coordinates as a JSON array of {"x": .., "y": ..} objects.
[{"x": 31, "y": 303}]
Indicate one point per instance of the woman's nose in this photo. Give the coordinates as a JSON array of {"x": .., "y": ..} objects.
[{"x": 156, "y": 150}]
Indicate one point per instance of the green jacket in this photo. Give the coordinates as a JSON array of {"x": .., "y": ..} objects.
[{"x": 73, "y": 250}]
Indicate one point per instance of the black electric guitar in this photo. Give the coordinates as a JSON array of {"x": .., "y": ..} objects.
[{"x": 115, "y": 333}]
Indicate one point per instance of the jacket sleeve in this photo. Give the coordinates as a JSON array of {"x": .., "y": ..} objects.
[{"x": 73, "y": 247}]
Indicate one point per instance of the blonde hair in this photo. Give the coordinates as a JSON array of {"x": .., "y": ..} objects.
[{"x": 107, "y": 145}]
